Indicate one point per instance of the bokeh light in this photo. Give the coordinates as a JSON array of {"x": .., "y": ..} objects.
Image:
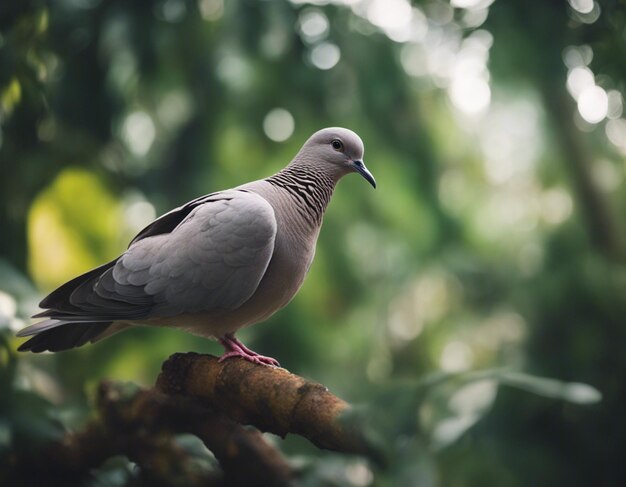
[
  {"x": 616, "y": 104},
  {"x": 582, "y": 6},
  {"x": 313, "y": 25},
  {"x": 211, "y": 10},
  {"x": 471, "y": 4},
  {"x": 616, "y": 133},
  {"x": 578, "y": 80},
  {"x": 389, "y": 14},
  {"x": 138, "y": 132},
  {"x": 325, "y": 56},
  {"x": 456, "y": 356},
  {"x": 278, "y": 125},
  {"x": 593, "y": 104},
  {"x": 471, "y": 95}
]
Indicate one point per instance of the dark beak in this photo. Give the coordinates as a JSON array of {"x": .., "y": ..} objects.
[{"x": 363, "y": 171}]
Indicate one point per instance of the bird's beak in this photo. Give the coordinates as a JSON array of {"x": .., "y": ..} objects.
[{"x": 363, "y": 171}]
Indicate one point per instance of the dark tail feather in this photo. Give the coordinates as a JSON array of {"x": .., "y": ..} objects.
[
  {"x": 59, "y": 299},
  {"x": 64, "y": 337}
]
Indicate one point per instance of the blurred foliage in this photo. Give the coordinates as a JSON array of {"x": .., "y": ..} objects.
[
  {"x": 496, "y": 237},
  {"x": 54, "y": 216}
]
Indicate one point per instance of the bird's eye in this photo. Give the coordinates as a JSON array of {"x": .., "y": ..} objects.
[{"x": 337, "y": 144}]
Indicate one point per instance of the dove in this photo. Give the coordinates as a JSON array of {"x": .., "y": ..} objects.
[{"x": 221, "y": 262}]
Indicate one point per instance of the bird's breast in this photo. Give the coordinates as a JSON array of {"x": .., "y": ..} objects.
[
  {"x": 285, "y": 273},
  {"x": 294, "y": 249}
]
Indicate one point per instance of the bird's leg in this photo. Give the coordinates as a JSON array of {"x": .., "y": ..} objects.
[
  {"x": 238, "y": 342},
  {"x": 234, "y": 348}
]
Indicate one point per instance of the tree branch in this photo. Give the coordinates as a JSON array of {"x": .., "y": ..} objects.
[
  {"x": 199, "y": 395},
  {"x": 232, "y": 444},
  {"x": 269, "y": 398},
  {"x": 140, "y": 423}
]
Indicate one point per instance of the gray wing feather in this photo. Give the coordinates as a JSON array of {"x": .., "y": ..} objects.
[
  {"x": 58, "y": 302},
  {"x": 214, "y": 259}
]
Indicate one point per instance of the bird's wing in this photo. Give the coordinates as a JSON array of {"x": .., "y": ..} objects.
[
  {"x": 213, "y": 258},
  {"x": 58, "y": 301}
]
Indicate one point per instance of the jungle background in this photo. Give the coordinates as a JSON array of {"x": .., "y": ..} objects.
[{"x": 495, "y": 241}]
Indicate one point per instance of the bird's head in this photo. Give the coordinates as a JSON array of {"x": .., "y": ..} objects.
[{"x": 339, "y": 150}]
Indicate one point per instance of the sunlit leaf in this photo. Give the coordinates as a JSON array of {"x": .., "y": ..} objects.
[
  {"x": 73, "y": 225},
  {"x": 10, "y": 96}
]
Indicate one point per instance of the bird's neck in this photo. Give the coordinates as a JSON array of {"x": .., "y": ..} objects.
[{"x": 310, "y": 189}]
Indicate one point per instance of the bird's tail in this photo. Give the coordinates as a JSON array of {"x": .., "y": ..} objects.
[{"x": 57, "y": 335}]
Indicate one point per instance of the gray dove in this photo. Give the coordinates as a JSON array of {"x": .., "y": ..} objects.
[{"x": 212, "y": 266}]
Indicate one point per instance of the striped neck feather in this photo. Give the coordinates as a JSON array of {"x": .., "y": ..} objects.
[{"x": 310, "y": 189}]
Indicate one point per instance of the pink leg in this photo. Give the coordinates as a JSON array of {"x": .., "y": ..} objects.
[{"x": 234, "y": 348}]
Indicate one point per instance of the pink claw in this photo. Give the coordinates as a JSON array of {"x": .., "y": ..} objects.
[{"x": 234, "y": 348}]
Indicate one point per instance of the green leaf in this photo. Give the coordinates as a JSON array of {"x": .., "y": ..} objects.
[{"x": 574, "y": 392}]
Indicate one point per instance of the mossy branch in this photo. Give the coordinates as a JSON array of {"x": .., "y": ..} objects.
[
  {"x": 269, "y": 398},
  {"x": 197, "y": 394}
]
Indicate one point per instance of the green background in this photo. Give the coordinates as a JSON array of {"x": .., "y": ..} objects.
[{"x": 495, "y": 239}]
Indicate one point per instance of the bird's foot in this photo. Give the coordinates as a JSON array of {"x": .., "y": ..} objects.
[
  {"x": 234, "y": 348},
  {"x": 255, "y": 359}
]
